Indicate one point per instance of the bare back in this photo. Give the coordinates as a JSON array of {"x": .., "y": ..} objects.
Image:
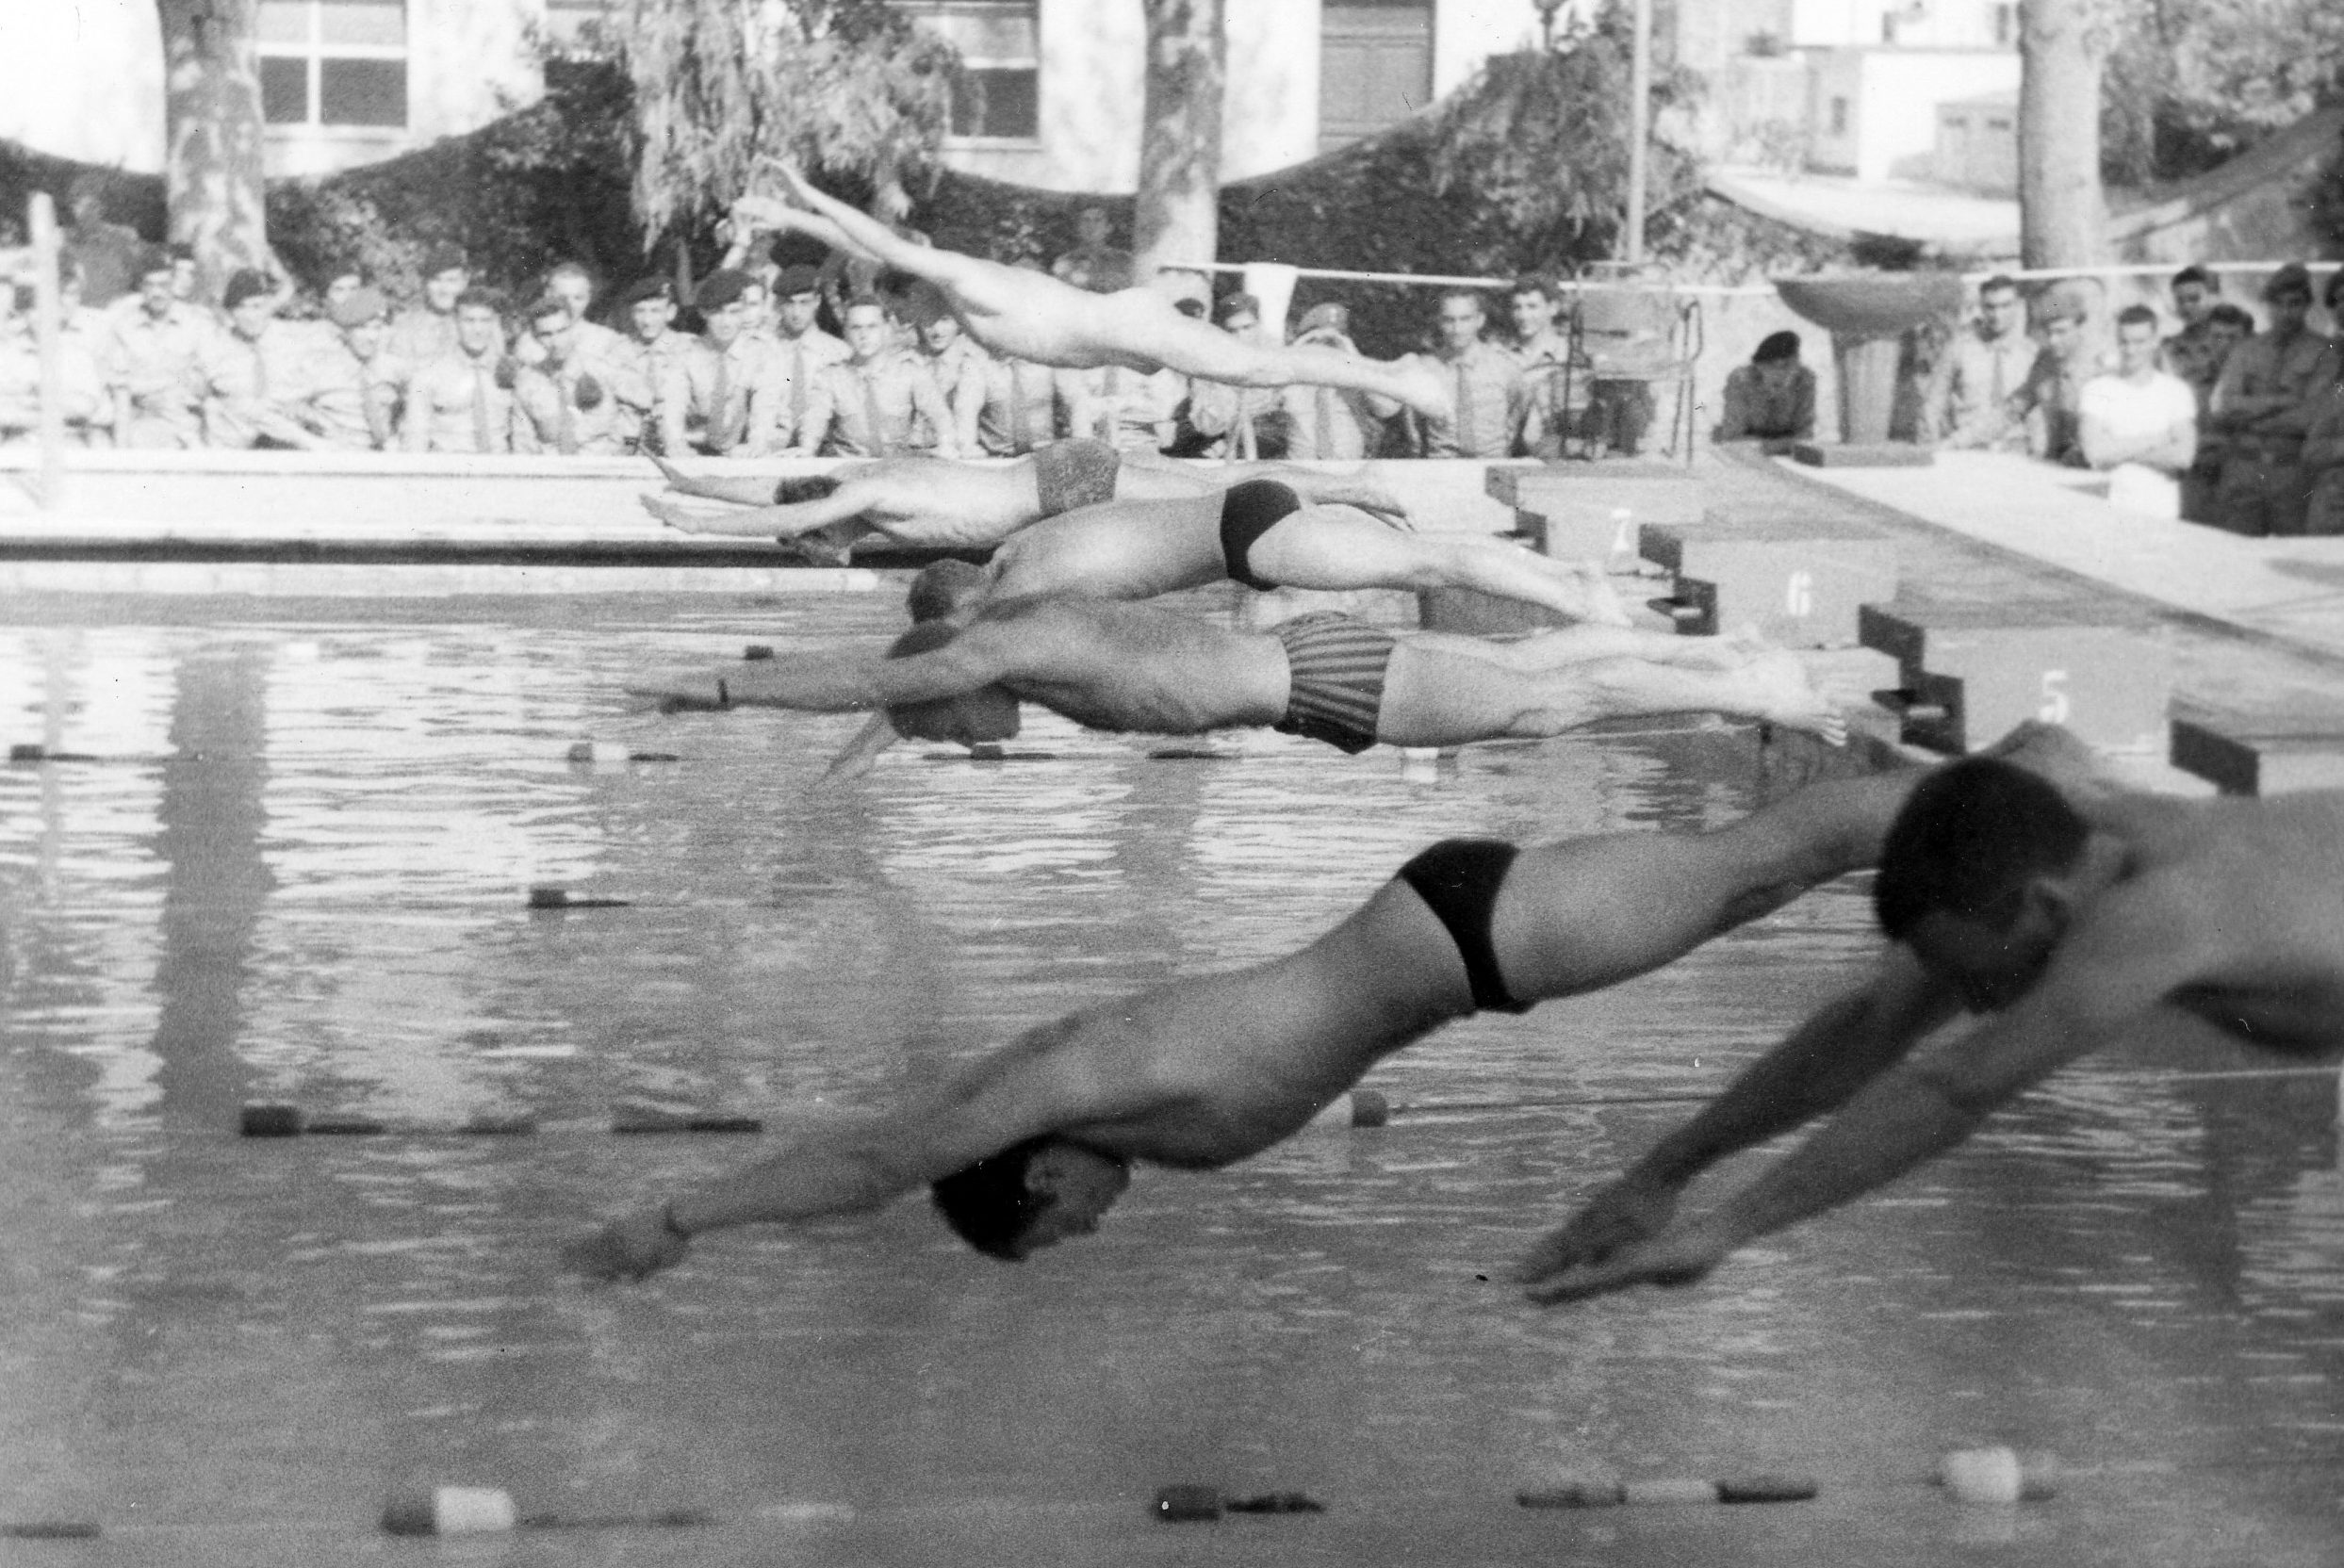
[
  {"x": 1126, "y": 667},
  {"x": 1119, "y": 550},
  {"x": 936, "y": 502}
]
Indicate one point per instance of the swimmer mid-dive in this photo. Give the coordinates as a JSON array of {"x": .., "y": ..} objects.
[
  {"x": 961, "y": 675},
  {"x": 1034, "y": 316},
  {"x": 2077, "y": 922},
  {"x": 1262, "y": 535},
  {"x": 934, "y": 502},
  {"x": 1029, "y": 1145}
]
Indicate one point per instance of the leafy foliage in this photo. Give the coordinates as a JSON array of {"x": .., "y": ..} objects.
[
  {"x": 721, "y": 89},
  {"x": 2191, "y": 83}
]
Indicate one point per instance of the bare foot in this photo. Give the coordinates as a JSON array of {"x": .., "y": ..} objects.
[
  {"x": 678, "y": 481},
  {"x": 1779, "y": 692}
]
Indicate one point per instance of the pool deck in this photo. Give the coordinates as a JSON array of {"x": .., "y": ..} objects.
[{"x": 2256, "y": 625}]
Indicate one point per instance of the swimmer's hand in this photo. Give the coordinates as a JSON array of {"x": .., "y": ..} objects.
[
  {"x": 1620, "y": 1215},
  {"x": 698, "y": 693},
  {"x": 1680, "y": 1255},
  {"x": 631, "y": 1247}
]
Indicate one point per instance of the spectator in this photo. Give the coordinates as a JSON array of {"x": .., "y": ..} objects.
[
  {"x": 2226, "y": 327},
  {"x": 1131, "y": 411},
  {"x": 349, "y": 385},
  {"x": 653, "y": 353},
  {"x": 2139, "y": 424},
  {"x": 801, "y": 346},
  {"x": 1772, "y": 398},
  {"x": 2323, "y": 435},
  {"x": 463, "y": 400},
  {"x": 185, "y": 274},
  {"x": 1968, "y": 403},
  {"x": 1327, "y": 422},
  {"x": 842, "y": 277},
  {"x": 957, "y": 364},
  {"x": 1094, "y": 263},
  {"x": 729, "y": 401},
  {"x": 1238, "y": 422},
  {"x": 2049, "y": 401},
  {"x": 567, "y": 400},
  {"x": 1492, "y": 404},
  {"x": 873, "y": 404},
  {"x": 1543, "y": 350},
  {"x": 2196, "y": 292},
  {"x": 153, "y": 363},
  {"x": 249, "y": 367},
  {"x": 111, "y": 255},
  {"x": 425, "y": 334},
  {"x": 340, "y": 287},
  {"x": 570, "y": 283},
  {"x": 2261, "y": 408}
]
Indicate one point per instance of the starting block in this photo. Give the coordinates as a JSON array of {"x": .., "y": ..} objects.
[
  {"x": 1800, "y": 582},
  {"x": 1591, "y": 511},
  {"x": 2243, "y": 755},
  {"x": 1967, "y": 674}
]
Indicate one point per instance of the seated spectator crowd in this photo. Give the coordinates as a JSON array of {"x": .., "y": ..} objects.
[{"x": 2216, "y": 421}]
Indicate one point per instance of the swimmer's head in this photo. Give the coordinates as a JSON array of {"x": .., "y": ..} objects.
[
  {"x": 1030, "y": 1196},
  {"x": 944, "y": 588},
  {"x": 972, "y": 718},
  {"x": 804, "y": 487},
  {"x": 1979, "y": 877}
]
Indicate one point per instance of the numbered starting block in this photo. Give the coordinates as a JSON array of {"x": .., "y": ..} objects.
[
  {"x": 2242, "y": 755},
  {"x": 1969, "y": 672},
  {"x": 1592, "y": 511},
  {"x": 1800, "y": 582}
]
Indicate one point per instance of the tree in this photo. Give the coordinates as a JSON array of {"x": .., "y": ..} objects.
[
  {"x": 848, "y": 89},
  {"x": 213, "y": 173},
  {"x": 2062, "y": 214},
  {"x": 2191, "y": 83},
  {"x": 1175, "y": 216}
]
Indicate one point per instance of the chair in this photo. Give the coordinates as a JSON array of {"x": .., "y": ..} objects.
[{"x": 1628, "y": 324}]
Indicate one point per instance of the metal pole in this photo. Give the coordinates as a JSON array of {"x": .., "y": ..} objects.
[
  {"x": 47, "y": 326},
  {"x": 1639, "y": 131}
]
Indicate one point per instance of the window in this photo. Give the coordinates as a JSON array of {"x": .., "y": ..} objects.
[
  {"x": 1375, "y": 66},
  {"x": 334, "y": 62},
  {"x": 1838, "y": 117},
  {"x": 999, "y": 97}
]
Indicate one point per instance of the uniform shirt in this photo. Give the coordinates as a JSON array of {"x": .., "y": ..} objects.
[
  {"x": 650, "y": 369},
  {"x": 1971, "y": 391},
  {"x": 157, "y": 361},
  {"x": 1492, "y": 405},
  {"x": 343, "y": 402},
  {"x": 455, "y": 405},
  {"x": 549, "y": 416},
  {"x": 1241, "y": 421},
  {"x": 1755, "y": 408},
  {"x": 1327, "y": 423},
  {"x": 20, "y": 380},
  {"x": 1021, "y": 409},
  {"x": 2323, "y": 460},
  {"x": 1101, "y": 269},
  {"x": 110, "y": 254},
  {"x": 420, "y": 335},
  {"x": 799, "y": 361},
  {"x": 249, "y": 383},
  {"x": 2190, "y": 355},
  {"x": 872, "y": 410},
  {"x": 595, "y": 342},
  {"x": 1128, "y": 410},
  {"x": 729, "y": 402},
  {"x": 959, "y": 373},
  {"x": 2050, "y": 404},
  {"x": 2262, "y": 366}
]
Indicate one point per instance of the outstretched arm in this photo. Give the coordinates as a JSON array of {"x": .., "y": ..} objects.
[
  {"x": 856, "y": 758},
  {"x": 785, "y": 522},
  {"x": 832, "y": 683}
]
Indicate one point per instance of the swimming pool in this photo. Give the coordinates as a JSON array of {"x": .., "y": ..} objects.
[{"x": 299, "y": 876}]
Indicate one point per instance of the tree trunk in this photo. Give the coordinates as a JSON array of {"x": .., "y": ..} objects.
[
  {"x": 212, "y": 172},
  {"x": 2062, "y": 217},
  {"x": 1175, "y": 219}
]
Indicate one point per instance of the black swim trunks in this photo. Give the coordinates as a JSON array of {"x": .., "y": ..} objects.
[
  {"x": 1249, "y": 511},
  {"x": 1458, "y": 879},
  {"x": 1071, "y": 474},
  {"x": 1335, "y": 674}
]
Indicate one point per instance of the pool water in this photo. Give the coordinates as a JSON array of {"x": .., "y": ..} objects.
[{"x": 298, "y": 872}]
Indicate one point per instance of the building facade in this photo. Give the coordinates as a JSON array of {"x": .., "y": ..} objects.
[{"x": 1055, "y": 95}]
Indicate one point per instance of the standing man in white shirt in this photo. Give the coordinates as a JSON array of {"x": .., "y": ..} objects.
[{"x": 2139, "y": 424}]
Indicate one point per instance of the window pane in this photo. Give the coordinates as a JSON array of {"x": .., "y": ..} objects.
[
  {"x": 283, "y": 22},
  {"x": 284, "y": 90},
  {"x": 362, "y": 92},
  {"x": 382, "y": 21},
  {"x": 998, "y": 103}
]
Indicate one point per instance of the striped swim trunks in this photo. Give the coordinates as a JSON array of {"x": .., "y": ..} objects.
[
  {"x": 1076, "y": 473},
  {"x": 1335, "y": 671}
]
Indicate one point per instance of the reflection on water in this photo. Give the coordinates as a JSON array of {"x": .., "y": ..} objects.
[{"x": 298, "y": 874}]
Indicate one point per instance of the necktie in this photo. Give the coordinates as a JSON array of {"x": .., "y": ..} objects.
[
  {"x": 1464, "y": 412},
  {"x": 260, "y": 373},
  {"x": 880, "y": 445},
  {"x": 1018, "y": 442},
  {"x": 370, "y": 406},
  {"x": 720, "y": 409},
  {"x": 1322, "y": 410},
  {"x": 566, "y": 397},
  {"x": 480, "y": 408},
  {"x": 797, "y": 388}
]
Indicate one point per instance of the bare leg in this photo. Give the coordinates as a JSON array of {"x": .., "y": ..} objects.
[
  {"x": 1340, "y": 547},
  {"x": 1576, "y": 644},
  {"x": 1432, "y": 698}
]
